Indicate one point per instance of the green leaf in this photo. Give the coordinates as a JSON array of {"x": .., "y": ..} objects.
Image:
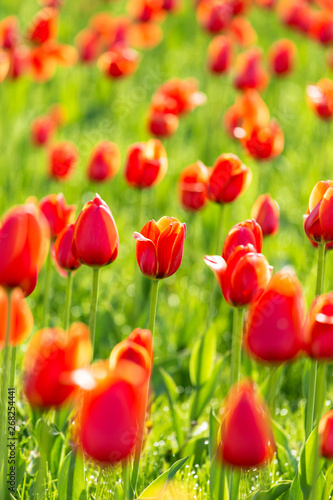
[
  {"x": 295, "y": 490},
  {"x": 172, "y": 394},
  {"x": 274, "y": 492},
  {"x": 195, "y": 447},
  {"x": 119, "y": 493},
  {"x": 157, "y": 487},
  {"x": 71, "y": 482},
  {"x": 309, "y": 456},
  {"x": 218, "y": 485},
  {"x": 282, "y": 439},
  {"x": 204, "y": 394},
  {"x": 214, "y": 425},
  {"x": 202, "y": 358}
]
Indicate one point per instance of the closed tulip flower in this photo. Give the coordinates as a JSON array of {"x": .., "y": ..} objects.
[
  {"x": 321, "y": 28},
  {"x": 249, "y": 73},
  {"x": 264, "y": 143},
  {"x": 162, "y": 124},
  {"x": 242, "y": 32},
  {"x": 146, "y": 164},
  {"x": 4, "y": 65},
  {"x": 89, "y": 45},
  {"x": 326, "y": 435},
  {"x": 318, "y": 223},
  {"x": 9, "y": 32},
  {"x": 118, "y": 62},
  {"x": 244, "y": 233},
  {"x": 214, "y": 15},
  {"x": 57, "y": 213},
  {"x": 143, "y": 338},
  {"x": 159, "y": 247},
  {"x": 220, "y": 54},
  {"x": 52, "y": 355},
  {"x": 281, "y": 57},
  {"x": 318, "y": 329},
  {"x": 95, "y": 238},
  {"x": 44, "y": 26},
  {"x": 104, "y": 161},
  {"x": 21, "y": 319},
  {"x": 127, "y": 350},
  {"x": 266, "y": 212},
  {"x": 273, "y": 332},
  {"x": 43, "y": 129},
  {"x": 246, "y": 436},
  {"x": 178, "y": 96},
  {"x": 192, "y": 187},
  {"x": 248, "y": 111},
  {"x": 320, "y": 98},
  {"x": 228, "y": 179},
  {"x": 63, "y": 250},
  {"x": 63, "y": 158},
  {"x": 296, "y": 14}
]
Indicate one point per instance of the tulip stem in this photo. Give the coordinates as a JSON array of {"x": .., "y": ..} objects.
[
  {"x": 93, "y": 307},
  {"x": 153, "y": 306},
  {"x": 236, "y": 347},
  {"x": 320, "y": 391},
  {"x": 273, "y": 378},
  {"x": 220, "y": 231},
  {"x": 46, "y": 301},
  {"x": 320, "y": 269},
  {"x": 311, "y": 399},
  {"x": 68, "y": 300}
]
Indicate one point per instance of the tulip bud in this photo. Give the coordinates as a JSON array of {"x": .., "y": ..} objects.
[
  {"x": 220, "y": 54},
  {"x": 104, "y": 161},
  {"x": 249, "y": 72},
  {"x": 318, "y": 223},
  {"x": 178, "y": 96},
  {"x": 273, "y": 332},
  {"x": 57, "y": 213},
  {"x": 281, "y": 57},
  {"x": 318, "y": 329},
  {"x": 326, "y": 435},
  {"x": 244, "y": 233},
  {"x": 63, "y": 158},
  {"x": 228, "y": 179},
  {"x": 146, "y": 164},
  {"x": 320, "y": 98},
  {"x": 89, "y": 45},
  {"x": 44, "y": 26},
  {"x": 95, "y": 238},
  {"x": 192, "y": 187},
  {"x": 242, "y": 32},
  {"x": 162, "y": 124},
  {"x": 214, "y": 15},
  {"x": 63, "y": 250},
  {"x": 118, "y": 62},
  {"x": 9, "y": 32},
  {"x": 266, "y": 212},
  {"x": 21, "y": 319},
  {"x": 248, "y": 111},
  {"x": 159, "y": 247},
  {"x": 43, "y": 129},
  {"x": 264, "y": 143},
  {"x": 246, "y": 436}
]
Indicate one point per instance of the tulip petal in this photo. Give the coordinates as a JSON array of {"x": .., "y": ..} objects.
[{"x": 146, "y": 255}]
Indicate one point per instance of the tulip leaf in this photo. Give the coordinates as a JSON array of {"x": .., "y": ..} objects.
[
  {"x": 274, "y": 492},
  {"x": 204, "y": 394},
  {"x": 172, "y": 394},
  {"x": 282, "y": 439},
  {"x": 195, "y": 447},
  {"x": 50, "y": 444},
  {"x": 307, "y": 462},
  {"x": 214, "y": 425},
  {"x": 71, "y": 482},
  {"x": 119, "y": 493},
  {"x": 156, "y": 489},
  {"x": 295, "y": 490},
  {"x": 218, "y": 484},
  {"x": 202, "y": 358}
]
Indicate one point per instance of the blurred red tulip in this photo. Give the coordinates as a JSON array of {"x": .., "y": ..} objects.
[
  {"x": 242, "y": 32},
  {"x": 104, "y": 161},
  {"x": 192, "y": 187},
  {"x": 44, "y": 26},
  {"x": 318, "y": 222},
  {"x": 21, "y": 319},
  {"x": 119, "y": 61},
  {"x": 318, "y": 329},
  {"x": 89, "y": 45},
  {"x": 57, "y": 213},
  {"x": 43, "y": 128},
  {"x": 162, "y": 124},
  {"x": 244, "y": 233},
  {"x": 295, "y": 13},
  {"x": 42, "y": 66},
  {"x": 19, "y": 58},
  {"x": 95, "y": 239},
  {"x": 178, "y": 96},
  {"x": 249, "y": 73},
  {"x": 240, "y": 6},
  {"x": 264, "y": 143},
  {"x": 24, "y": 239},
  {"x": 63, "y": 158},
  {"x": 51, "y": 356},
  {"x": 249, "y": 110},
  {"x": 265, "y": 4},
  {"x": 214, "y": 15},
  {"x": 144, "y": 35},
  {"x": 63, "y": 250},
  {"x": 246, "y": 436},
  {"x": 171, "y": 5},
  {"x": 127, "y": 350},
  {"x": 146, "y": 10},
  {"x": 9, "y": 32},
  {"x": 146, "y": 164},
  {"x": 326, "y": 435},
  {"x": 321, "y": 28},
  {"x": 64, "y": 55},
  {"x": 220, "y": 54},
  {"x": 4, "y": 64},
  {"x": 228, "y": 179},
  {"x": 281, "y": 57},
  {"x": 273, "y": 332},
  {"x": 159, "y": 247},
  {"x": 266, "y": 212},
  {"x": 143, "y": 338},
  {"x": 320, "y": 98}
]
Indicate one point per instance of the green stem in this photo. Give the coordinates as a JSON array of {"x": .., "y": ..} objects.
[
  {"x": 320, "y": 391},
  {"x": 46, "y": 301},
  {"x": 236, "y": 347},
  {"x": 93, "y": 307},
  {"x": 272, "y": 386},
  {"x": 151, "y": 326},
  {"x": 68, "y": 300},
  {"x": 220, "y": 231},
  {"x": 127, "y": 479},
  {"x": 222, "y": 483},
  {"x": 320, "y": 269}
]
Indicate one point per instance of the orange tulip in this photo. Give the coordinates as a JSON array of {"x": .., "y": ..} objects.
[
  {"x": 192, "y": 186},
  {"x": 220, "y": 54},
  {"x": 214, "y": 15},
  {"x": 63, "y": 158},
  {"x": 318, "y": 329},
  {"x": 120, "y": 61},
  {"x": 159, "y": 247},
  {"x": 143, "y": 338},
  {"x": 44, "y": 26},
  {"x": 320, "y": 98},
  {"x": 146, "y": 164},
  {"x": 244, "y": 233},
  {"x": 178, "y": 96},
  {"x": 295, "y": 13},
  {"x": 146, "y": 10},
  {"x": 104, "y": 161},
  {"x": 281, "y": 57},
  {"x": 264, "y": 143},
  {"x": 318, "y": 223},
  {"x": 144, "y": 35},
  {"x": 57, "y": 213},
  {"x": 89, "y": 45},
  {"x": 242, "y": 32},
  {"x": 249, "y": 110},
  {"x": 266, "y": 212},
  {"x": 9, "y": 32},
  {"x": 249, "y": 73},
  {"x": 321, "y": 27},
  {"x": 326, "y": 435},
  {"x": 21, "y": 319}
]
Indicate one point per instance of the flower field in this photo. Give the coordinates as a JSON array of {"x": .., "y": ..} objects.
[{"x": 166, "y": 274}]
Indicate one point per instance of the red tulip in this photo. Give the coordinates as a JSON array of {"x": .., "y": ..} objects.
[
  {"x": 57, "y": 213},
  {"x": 4, "y": 65},
  {"x": 119, "y": 61},
  {"x": 264, "y": 143},
  {"x": 244, "y": 233},
  {"x": 192, "y": 186},
  {"x": 95, "y": 239},
  {"x": 248, "y": 111},
  {"x": 228, "y": 179},
  {"x": 273, "y": 332},
  {"x": 21, "y": 319},
  {"x": 171, "y": 5},
  {"x": 146, "y": 10},
  {"x": 19, "y": 58},
  {"x": 295, "y": 13},
  {"x": 220, "y": 54},
  {"x": 104, "y": 161},
  {"x": 159, "y": 247},
  {"x": 144, "y": 35},
  {"x": 63, "y": 158},
  {"x": 178, "y": 96},
  {"x": 321, "y": 28},
  {"x": 320, "y": 98},
  {"x": 146, "y": 164},
  {"x": 326, "y": 435},
  {"x": 9, "y": 32},
  {"x": 242, "y": 32},
  {"x": 143, "y": 338},
  {"x": 266, "y": 212},
  {"x": 42, "y": 66},
  {"x": 318, "y": 328},
  {"x": 214, "y": 15},
  {"x": 162, "y": 124},
  {"x": 52, "y": 355},
  {"x": 44, "y": 26},
  {"x": 89, "y": 45},
  {"x": 63, "y": 250},
  {"x": 24, "y": 239},
  {"x": 318, "y": 223},
  {"x": 128, "y": 350},
  {"x": 249, "y": 72},
  {"x": 43, "y": 129},
  {"x": 281, "y": 57},
  {"x": 246, "y": 436}
]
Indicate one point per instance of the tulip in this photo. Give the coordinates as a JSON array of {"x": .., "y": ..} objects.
[
  {"x": 318, "y": 223},
  {"x": 242, "y": 32},
  {"x": 146, "y": 10},
  {"x": 320, "y": 98},
  {"x": 128, "y": 350},
  {"x": 62, "y": 160},
  {"x": 89, "y": 45},
  {"x": 318, "y": 329},
  {"x": 266, "y": 212},
  {"x": 9, "y": 32},
  {"x": 295, "y": 13},
  {"x": 281, "y": 57},
  {"x": 144, "y": 35},
  {"x": 143, "y": 338},
  {"x": 104, "y": 161},
  {"x": 248, "y": 111},
  {"x": 57, "y": 213},
  {"x": 21, "y": 319},
  {"x": 214, "y": 15},
  {"x": 52, "y": 355},
  {"x": 249, "y": 72},
  {"x": 244, "y": 233},
  {"x": 146, "y": 164},
  {"x": 19, "y": 62},
  {"x": 178, "y": 96},
  {"x": 42, "y": 66},
  {"x": 321, "y": 27},
  {"x": 159, "y": 247},
  {"x": 326, "y": 435},
  {"x": 220, "y": 54},
  {"x": 192, "y": 187},
  {"x": 264, "y": 143},
  {"x": 119, "y": 61},
  {"x": 63, "y": 249},
  {"x": 43, "y": 129},
  {"x": 273, "y": 332},
  {"x": 162, "y": 124},
  {"x": 229, "y": 178},
  {"x": 246, "y": 436},
  {"x": 4, "y": 65},
  {"x": 44, "y": 26}
]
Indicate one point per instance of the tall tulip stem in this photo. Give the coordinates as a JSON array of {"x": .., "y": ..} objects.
[
  {"x": 47, "y": 286},
  {"x": 93, "y": 306},
  {"x": 236, "y": 346},
  {"x": 68, "y": 300},
  {"x": 219, "y": 240},
  {"x": 153, "y": 306},
  {"x": 320, "y": 269}
]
